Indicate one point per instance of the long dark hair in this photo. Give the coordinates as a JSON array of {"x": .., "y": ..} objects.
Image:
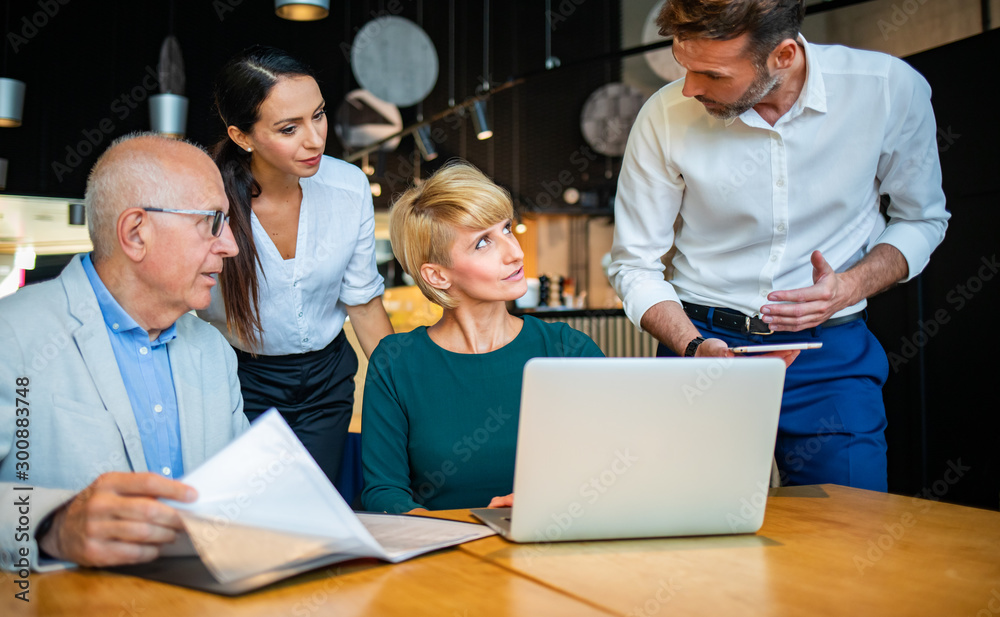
[{"x": 240, "y": 89}]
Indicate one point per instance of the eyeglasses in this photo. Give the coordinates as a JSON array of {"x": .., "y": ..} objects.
[{"x": 218, "y": 218}]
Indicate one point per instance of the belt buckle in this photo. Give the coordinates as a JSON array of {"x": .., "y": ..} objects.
[{"x": 769, "y": 332}]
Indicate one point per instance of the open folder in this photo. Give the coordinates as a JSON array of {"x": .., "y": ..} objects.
[{"x": 266, "y": 511}]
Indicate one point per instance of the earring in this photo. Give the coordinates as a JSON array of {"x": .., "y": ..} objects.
[{"x": 249, "y": 149}]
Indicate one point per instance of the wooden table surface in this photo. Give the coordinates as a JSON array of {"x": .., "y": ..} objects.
[
  {"x": 824, "y": 550},
  {"x": 448, "y": 583}
]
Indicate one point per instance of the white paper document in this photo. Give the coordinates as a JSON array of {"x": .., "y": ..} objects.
[{"x": 265, "y": 507}]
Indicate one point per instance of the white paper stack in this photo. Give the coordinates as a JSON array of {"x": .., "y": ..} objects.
[{"x": 266, "y": 511}]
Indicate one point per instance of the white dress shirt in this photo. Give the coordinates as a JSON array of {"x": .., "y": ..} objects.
[
  {"x": 302, "y": 300},
  {"x": 756, "y": 200}
]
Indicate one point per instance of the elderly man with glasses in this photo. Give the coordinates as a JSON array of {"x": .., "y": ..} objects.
[{"x": 109, "y": 389}]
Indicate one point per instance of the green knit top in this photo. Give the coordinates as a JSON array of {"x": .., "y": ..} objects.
[{"x": 439, "y": 427}]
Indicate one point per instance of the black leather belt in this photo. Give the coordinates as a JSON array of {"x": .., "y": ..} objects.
[{"x": 736, "y": 321}]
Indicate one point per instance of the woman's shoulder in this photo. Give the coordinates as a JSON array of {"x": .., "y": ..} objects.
[
  {"x": 403, "y": 345},
  {"x": 562, "y": 339}
]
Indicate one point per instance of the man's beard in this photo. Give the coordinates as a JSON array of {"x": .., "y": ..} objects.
[{"x": 762, "y": 85}]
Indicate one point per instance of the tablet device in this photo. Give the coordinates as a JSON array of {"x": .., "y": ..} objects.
[{"x": 780, "y": 347}]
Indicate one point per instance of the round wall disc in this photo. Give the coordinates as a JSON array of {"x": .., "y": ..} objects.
[{"x": 394, "y": 59}]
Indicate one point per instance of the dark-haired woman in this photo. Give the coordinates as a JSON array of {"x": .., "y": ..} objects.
[{"x": 304, "y": 224}]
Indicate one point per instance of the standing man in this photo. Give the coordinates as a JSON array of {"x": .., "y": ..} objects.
[
  {"x": 109, "y": 389},
  {"x": 775, "y": 156}
]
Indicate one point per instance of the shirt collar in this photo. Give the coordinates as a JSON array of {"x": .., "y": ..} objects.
[
  {"x": 115, "y": 317},
  {"x": 813, "y": 93}
]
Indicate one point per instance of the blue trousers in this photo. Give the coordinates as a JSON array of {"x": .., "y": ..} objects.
[{"x": 832, "y": 423}]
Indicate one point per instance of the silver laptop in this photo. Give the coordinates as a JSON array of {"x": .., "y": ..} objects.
[{"x": 642, "y": 447}]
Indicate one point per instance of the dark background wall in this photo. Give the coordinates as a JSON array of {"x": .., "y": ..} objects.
[
  {"x": 941, "y": 397},
  {"x": 92, "y": 65},
  {"x": 939, "y": 329}
]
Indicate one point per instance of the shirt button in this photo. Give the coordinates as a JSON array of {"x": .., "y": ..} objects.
[
  {"x": 300, "y": 314},
  {"x": 158, "y": 408},
  {"x": 780, "y": 182},
  {"x": 305, "y": 340},
  {"x": 781, "y": 227},
  {"x": 763, "y": 294},
  {"x": 295, "y": 284},
  {"x": 774, "y": 258},
  {"x": 166, "y": 471},
  {"x": 114, "y": 326},
  {"x": 143, "y": 350}
]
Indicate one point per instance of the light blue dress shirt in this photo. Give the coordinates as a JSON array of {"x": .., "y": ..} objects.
[{"x": 145, "y": 368}]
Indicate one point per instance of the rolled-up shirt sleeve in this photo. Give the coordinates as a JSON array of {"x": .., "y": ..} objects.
[
  {"x": 909, "y": 170},
  {"x": 648, "y": 200},
  {"x": 362, "y": 282}
]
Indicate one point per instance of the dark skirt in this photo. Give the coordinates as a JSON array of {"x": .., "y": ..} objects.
[{"x": 314, "y": 392}]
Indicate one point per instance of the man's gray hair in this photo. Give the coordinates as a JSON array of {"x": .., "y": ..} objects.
[{"x": 124, "y": 178}]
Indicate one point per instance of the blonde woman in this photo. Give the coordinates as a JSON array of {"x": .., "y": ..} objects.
[{"x": 441, "y": 402}]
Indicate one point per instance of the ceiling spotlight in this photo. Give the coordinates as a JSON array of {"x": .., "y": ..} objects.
[
  {"x": 571, "y": 195},
  {"x": 302, "y": 10},
  {"x": 520, "y": 228},
  {"x": 366, "y": 165},
  {"x": 483, "y": 130},
  {"x": 425, "y": 144},
  {"x": 376, "y": 189}
]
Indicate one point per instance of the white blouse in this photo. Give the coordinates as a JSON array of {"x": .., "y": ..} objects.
[{"x": 303, "y": 300}]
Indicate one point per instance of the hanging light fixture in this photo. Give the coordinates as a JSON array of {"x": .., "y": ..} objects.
[
  {"x": 11, "y": 91},
  {"x": 11, "y": 102},
  {"x": 366, "y": 165},
  {"x": 168, "y": 114},
  {"x": 425, "y": 144},
  {"x": 77, "y": 214},
  {"x": 302, "y": 10},
  {"x": 422, "y": 136},
  {"x": 168, "y": 110},
  {"x": 482, "y": 126}
]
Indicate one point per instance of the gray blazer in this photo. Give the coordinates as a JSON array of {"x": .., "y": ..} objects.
[{"x": 80, "y": 420}]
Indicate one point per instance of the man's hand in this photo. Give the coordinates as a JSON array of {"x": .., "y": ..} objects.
[
  {"x": 502, "y": 502},
  {"x": 713, "y": 348},
  {"x": 669, "y": 324},
  {"x": 117, "y": 520},
  {"x": 717, "y": 348},
  {"x": 810, "y": 306}
]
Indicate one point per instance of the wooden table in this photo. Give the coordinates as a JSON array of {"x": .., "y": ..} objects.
[{"x": 824, "y": 550}]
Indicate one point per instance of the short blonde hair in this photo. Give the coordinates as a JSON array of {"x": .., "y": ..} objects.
[{"x": 423, "y": 220}]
